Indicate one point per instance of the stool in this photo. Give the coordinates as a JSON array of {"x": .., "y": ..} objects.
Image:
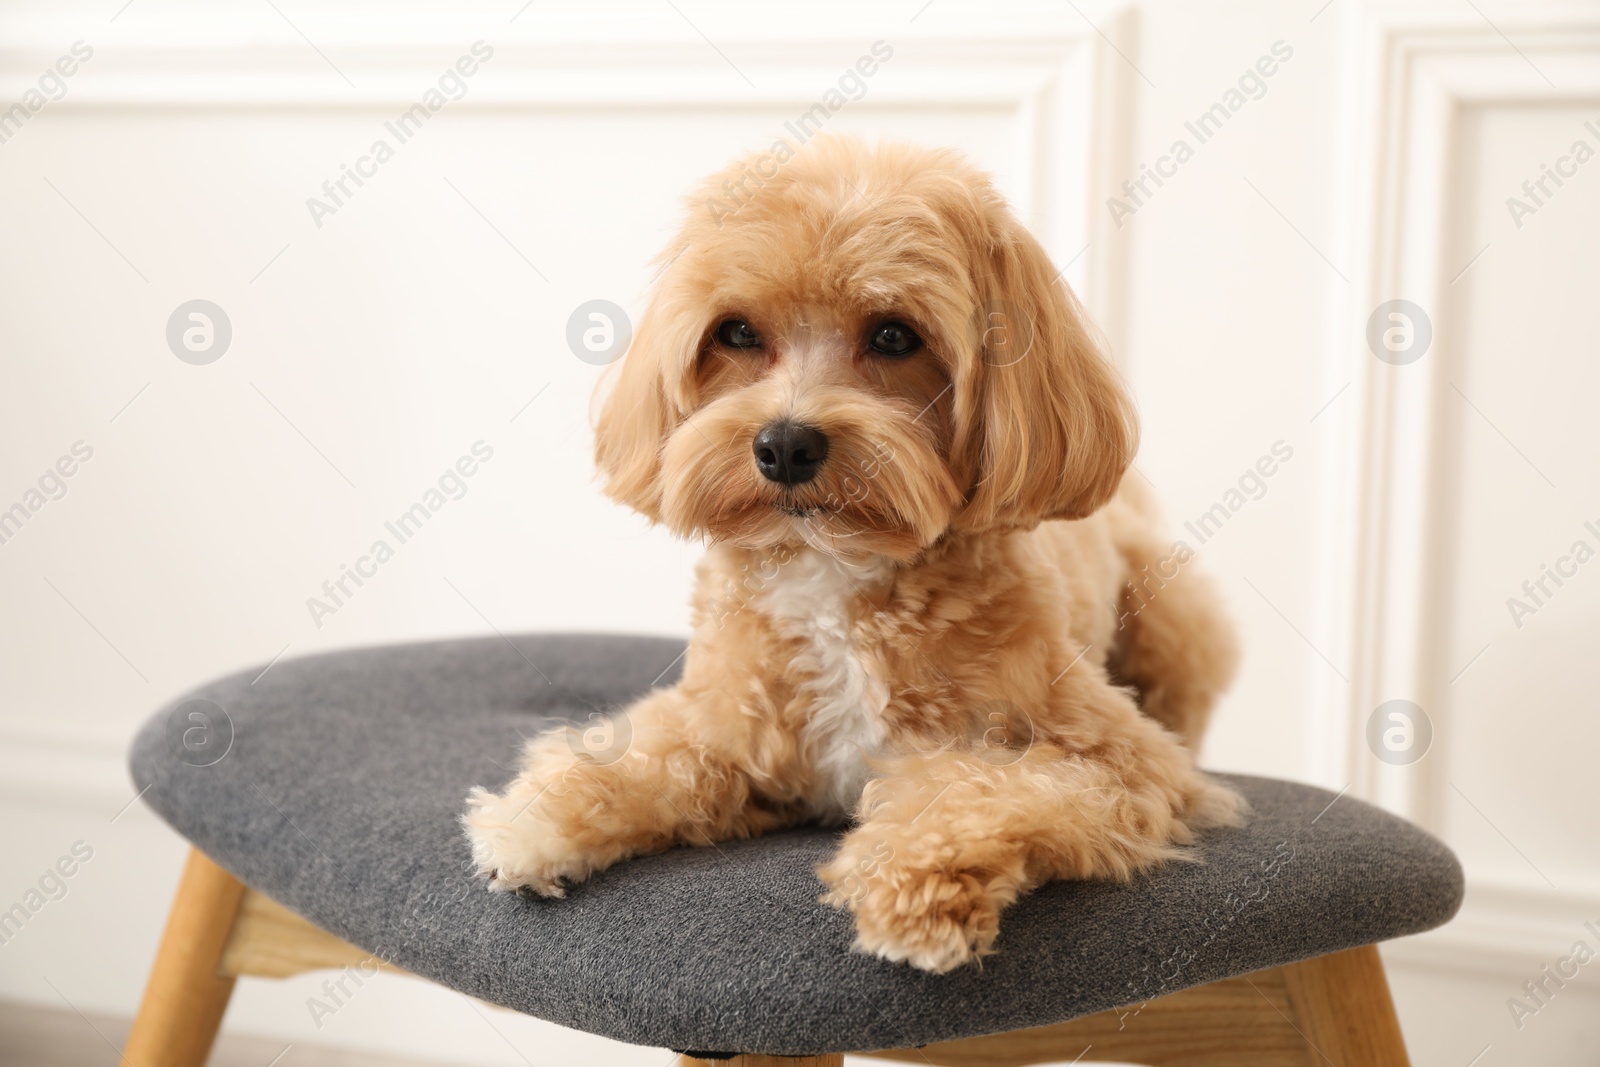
[{"x": 322, "y": 798}]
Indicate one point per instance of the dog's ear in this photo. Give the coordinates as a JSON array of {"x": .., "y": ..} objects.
[
  {"x": 1048, "y": 429},
  {"x": 647, "y": 400}
]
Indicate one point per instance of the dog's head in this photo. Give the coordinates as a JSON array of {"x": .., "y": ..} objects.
[{"x": 860, "y": 349}]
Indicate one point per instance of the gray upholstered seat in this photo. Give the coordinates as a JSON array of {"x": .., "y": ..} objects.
[{"x": 338, "y": 792}]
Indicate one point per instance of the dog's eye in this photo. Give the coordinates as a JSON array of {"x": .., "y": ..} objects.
[
  {"x": 737, "y": 333},
  {"x": 895, "y": 339}
]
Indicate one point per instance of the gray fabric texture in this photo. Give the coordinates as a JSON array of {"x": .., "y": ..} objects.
[{"x": 339, "y": 791}]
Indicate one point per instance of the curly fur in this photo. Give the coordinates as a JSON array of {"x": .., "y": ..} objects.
[{"x": 948, "y": 638}]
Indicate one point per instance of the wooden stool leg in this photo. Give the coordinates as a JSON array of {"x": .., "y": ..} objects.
[
  {"x": 832, "y": 1059},
  {"x": 1341, "y": 1004},
  {"x": 185, "y": 996}
]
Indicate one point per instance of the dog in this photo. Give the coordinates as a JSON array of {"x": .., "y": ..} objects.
[{"x": 932, "y": 608}]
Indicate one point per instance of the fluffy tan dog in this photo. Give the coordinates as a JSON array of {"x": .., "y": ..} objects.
[{"x": 927, "y": 608}]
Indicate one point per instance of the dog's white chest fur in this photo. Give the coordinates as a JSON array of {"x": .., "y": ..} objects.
[{"x": 809, "y": 599}]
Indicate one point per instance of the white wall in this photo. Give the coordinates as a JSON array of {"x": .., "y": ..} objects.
[{"x": 370, "y": 352}]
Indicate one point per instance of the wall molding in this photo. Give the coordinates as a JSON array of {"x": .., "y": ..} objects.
[
  {"x": 1052, "y": 68},
  {"x": 1420, "y": 69},
  {"x": 1503, "y": 929},
  {"x": 1417, "y": 76},
  {"x": 68, "y": 773}
]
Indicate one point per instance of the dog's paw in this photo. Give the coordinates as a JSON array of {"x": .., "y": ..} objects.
[
  {"x": 514, "y": 849},
  {"x": 935, "y": 920}
]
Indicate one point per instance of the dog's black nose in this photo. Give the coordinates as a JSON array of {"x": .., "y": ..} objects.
[{"x": 790, "y": 453}]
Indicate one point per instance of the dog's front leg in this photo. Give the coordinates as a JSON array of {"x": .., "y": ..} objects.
[
  {"x": 945, "y": 842},
  {"x": 659, "y": 776}
]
